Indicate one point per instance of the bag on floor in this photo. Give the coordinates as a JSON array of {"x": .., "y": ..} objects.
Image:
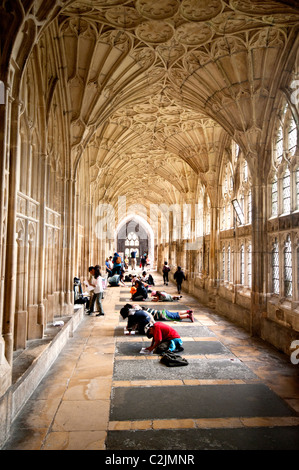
[
  {"x": 150, "y": 280},
  {"x": 170, "y": 359}
]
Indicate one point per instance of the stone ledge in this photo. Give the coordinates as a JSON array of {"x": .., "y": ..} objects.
[{"x": 30, "y": 365}]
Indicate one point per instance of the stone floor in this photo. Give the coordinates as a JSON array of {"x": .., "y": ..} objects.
[{"x": 237, "y": 393}]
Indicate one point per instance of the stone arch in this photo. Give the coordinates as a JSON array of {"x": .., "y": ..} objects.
[{"x": 133, "y": 222}]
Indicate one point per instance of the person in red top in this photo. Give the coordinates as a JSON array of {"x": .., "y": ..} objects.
[{"x": 163, "y": 333}]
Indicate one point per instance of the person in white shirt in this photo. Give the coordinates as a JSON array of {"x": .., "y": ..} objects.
[{"x": 97, "y": 293}]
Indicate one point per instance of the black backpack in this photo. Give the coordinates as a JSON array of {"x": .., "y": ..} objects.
[{"x": 171, "y": 359}]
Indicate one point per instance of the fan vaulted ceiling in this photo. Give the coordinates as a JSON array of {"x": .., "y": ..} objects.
[{"x": 157, "y": 87}]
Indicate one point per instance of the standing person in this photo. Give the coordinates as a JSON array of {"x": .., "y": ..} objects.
[
  {"x": 143, "y": 261},
  {"x": 98, "y": 292},
  {"x": 179, "y": 277},
  {"x": 108, "y": 267},
  {"x": 90, "y": 283},
  {"x": 163, "y": 336},
  {"x": 133, "y": 259},
  {"x": 126, "y": 263},
  {"x": 116, "y": 264},
  {"x": 165, "y": 271}
]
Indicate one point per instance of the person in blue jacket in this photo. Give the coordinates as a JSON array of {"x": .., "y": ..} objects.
[
  {"x": 116, "y": 264},
  {"x": 138, "y": 319}
]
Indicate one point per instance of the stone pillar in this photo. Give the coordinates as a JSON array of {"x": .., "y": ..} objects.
[
  {"x": 41, "y": 249},
  {"x": 259, "y": 233},
  {"x": 5, "y": 367},
  {"x": 68, "y": 242},
  {"x": 11, "y": 245}
]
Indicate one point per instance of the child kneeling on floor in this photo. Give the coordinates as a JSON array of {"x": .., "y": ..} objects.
[{"x": 164, "y": 338}]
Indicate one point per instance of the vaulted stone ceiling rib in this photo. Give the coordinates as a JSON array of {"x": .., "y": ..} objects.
[{"x": 155, "y": 87}]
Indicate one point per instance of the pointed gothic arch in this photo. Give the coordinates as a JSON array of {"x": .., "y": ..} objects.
[{"x": 133, "y": 223}]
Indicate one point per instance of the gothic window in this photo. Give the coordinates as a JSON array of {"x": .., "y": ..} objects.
[
  {"x": 285, "y": 185},
  {"x": 235, "y": 150},
  {"x": 242, "y": 265},
  {"x": 297, "y": 188},
  {"x": 242, "y": 203},
  {"x": 249, "y": 208},
  {"x": 279, "y": 145},
  {"x": 228, "y": 264},
  {"x": 286, "y": 192},
  {"x": 292, "y": 138},
  {"x": 228, "y": 217},
  {"x": 288, "y": 268},
  {"x": 208, "y": 219},
  {"x": 223, "y": 223},
  {"x": 249, "y": 271},
  {"x": 132, "y": 240},
  {"x": 223, "y": 263},
  {"x": 225, "y": 182},
  {"x": 274, "y": 197},
  {"x": 245, "y": 171},
  {"x": 275, "y": 268}
]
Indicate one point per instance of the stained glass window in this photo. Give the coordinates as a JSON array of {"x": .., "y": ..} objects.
[
  {"x": 275, "y": 268},
  {"x": 288, "y": 268}
]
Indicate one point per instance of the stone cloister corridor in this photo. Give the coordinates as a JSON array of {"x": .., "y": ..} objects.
[{"x": 170, "y": 126}]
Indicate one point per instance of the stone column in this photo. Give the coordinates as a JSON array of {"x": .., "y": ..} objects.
[
  {"x": 5, "y": 367},
  {"x": 11, "y": 245},
  {"x": 259, "y": 234},
  {"x": 41, "y": 248},
  {"x": 68, "y": 242}
]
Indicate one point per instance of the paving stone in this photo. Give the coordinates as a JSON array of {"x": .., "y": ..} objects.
[
  {"x": 204, "y": 401},
  {"x": 190, "y": 347},
  {"x": 171, "y": 306},
  {"x": 277, "y": 438},
  {"x": 187, "y": 330},
  {"x": 196, "y": 369}
]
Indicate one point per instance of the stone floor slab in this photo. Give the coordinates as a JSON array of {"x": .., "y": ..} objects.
[
  {"x": 190, "y": 347},
  {"x": 196, "y": 402},
  {"x": 196, "y": 369},
  {"x": 276, "y": 438}
]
